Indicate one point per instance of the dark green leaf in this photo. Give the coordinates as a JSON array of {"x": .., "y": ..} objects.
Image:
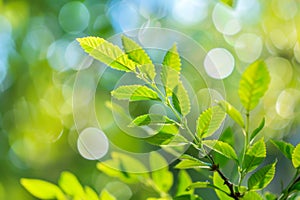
[
  {"x": 285, "y": 148},
  {"x": 153, "y": 119},
  {"x": 254, "y": 156},
  {"x": 253, "y": 85},
  {"x": 210, "y": 121},
  {"x": 232, "y": 112},
  {"x": 107, "y": 53},
  {"x": 258, "y": 129},
  {"x": 134, "y": 93},
  {"x": 270, "y": 196},
  {"x": 261, "y": 178},
  {"x": 221, "y": 147},
  {"x": 296, "y": 156}
]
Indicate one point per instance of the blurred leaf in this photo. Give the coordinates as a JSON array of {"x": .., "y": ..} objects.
[
  {"x": 189, "y": 162},
  {"x": 221, "y": 147},
  {"x": 270, "y": 196},
  {"x": 202, "y": 184},
  {"x": 261, "y": 178},
  {"x": 258, "y": 129},
  {"x": 182, "y": 102},
  {"x": 134, "y": 93},
  {"x": 90, "y": 194},
  {"x": 154, "y": 119},
  {"x": 285, "y": 148},
  {"x": 255, "y": 154},
  {"x": 136, "y": 53},
  {"x": 253, "y": 85},
  {"x": 252, "y": 196},
  {"x": 42, "y": 189},
  {"x": 296, "y": 156},
  {"x": 172, "y": 59},
  {"x": 70, "y": 184},
  {"x": 187, "y": 197},
  {"x": 184, "y": 180},
  {"x": 228, "y": 2},
  {"x": 105, "y": 195},
  {"x": 209, "y": 121},
  {"x": 162, "y": 177},
  {"x": 160, "y": 138},
  {"x": 107, "y": 53},
  {"x": 170, "y": 78},
  {"x": 119, "y": 190},
  {"x": 222, "y": 190},
  {"x": 296, "y": 186},
  {"x": 227, "y": 136},
  {"x": 232, "y": 112}
]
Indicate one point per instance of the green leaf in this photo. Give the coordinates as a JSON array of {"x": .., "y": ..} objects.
[
  {"x": 42, "y": 189},
  {"x": 105, "y": 195},
  {"x": 201, "y": 184},
  {"x": 229, "y": 3},
  {"x": 134, "y": 93},
  {"x": 160, "y": 138},
  {"x": 172, "y": 59},
  {"x": 257, "y": 130},
  {"x": 261, "y": 178},
  {"x": 187, "y": 197},
  {"x": 170, "y": 79},
  {"x": 296, "y": 156},
  {"x": 189, "y": 162},
  {"x": 184, "y": 180},
  {"x": 255, "y": 154},
  {"x": 285, "y": 148},
  {"x": 162, "y": 177},
  {"x": 70, "y": 184},
  {"x": 90, "y": 194},
  {"x": 232, "y": 112},
  {"x": 221, "y": 147},
  {"x": 252, "y": 196},
  {"x": 154, "y": 119},
  {"x": 209, "y": 121},
  {"x": 270, "y": 196},
  {"x": 222, "y": 190},
  {"x": 182, "y": 103},
  {"x": 253, "y": 85},
  {"x": 107, "y": 53},
  {"x": 136, "y": 53}
]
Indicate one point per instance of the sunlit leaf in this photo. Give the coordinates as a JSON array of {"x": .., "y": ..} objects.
[
  {"x": 209, "y": 121},
  {"x": 187, "y": 197},
  {"x": 258, "y": 129},
  {"x": 222, "y": 190},
  {"x": 232, "y": 112},
  {"x": 134, "y": 93},
  {"x": 261, "y": 178},
  {"x": 252, "y": 196},
  {"x": 42, "y": 189},
  {"x": 296, "y": 156},
  {"x": 170, "y": 79},
  {"x": 221, "y": 147},
  {"x": 160, "y": 138},
  {"x": 230, "y": 3},
  {"x": 270, "y": 196},
  {"x": 70, "y": 184},
  {"x": 90, "y": 194},
  {"x": 255, "y": 154},
  {"x": 107, "y": 53},
  {"x": 285, "y": 148},
  {"x": 189, "y": 162},
  {"x": 136, "y": 53},
  {"x": 253, "y": 85},
  {"x": 201, "y": 184},
  {"x": 184, "y": 180},
  {"x": 154, "y": 119},
  {"x": 182, "y": 103},
  {"x": 161, "y": 176},
  {"x": 172, "y": 59},
  {"x": 105, "y": 195}
]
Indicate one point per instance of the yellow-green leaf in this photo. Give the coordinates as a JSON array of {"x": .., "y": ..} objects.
[
  {"x": 90, "y": 194},
  {"x": 182, "y": 103},
  {"x": 230, "y": 3},
  {"x": 218, "y": 182},
  {"x": 210, "y": 121},
  {"x": 170, "y": 79},
  {"x": 251, "y": 195},
  {"x": 296, "y": 156},
  {"x": 189, "y": 162},
  {"x": 184, "y": 180},
  {"x": 221, "y": 147},
  {"x": 232, "y": 112},
  {"x": 172, "y": 59},
  {"x": 154, "y": 119},
  {"x": 253, "y": 85},
  {"x": 107, "y": 53},
  {"x": 70, "y": 184},
  {"x": 285, "y": 148},
  {"x": 134, "y": 93},
  {"x": 105, "y": 195},
  {"x": 261, "y": 178}
]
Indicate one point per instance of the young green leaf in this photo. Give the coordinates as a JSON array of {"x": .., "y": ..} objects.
[
  {"x": 209, "y": 121},
  {"x": 162, "y": 177},
  {"x": 221, "y": 190},
  {"x": 201, "y": 184},
  {"x": 257, "y": 130},
  {"x": 182, "y": 103},
  {"x": 186, "y": 197},
  {"x": 221, "y": 147},
  {"x": 285, "y": 148},
  {"x": 105, "y": 195},
  {"x": 296, "y": 156},
  {"x": 270, "y": 196},
  {"x": 261, "y": 178},
  {"x": 172, "y": 59},
  {"x": 42, "y": 189},
  {"x": 230, "y": 3},
  {"x": 232, "y": 112},
  {"x": 90, "y": 194},
  {"x": 160, "y": 138},
  {"x": 107, "y": 53},
  {"x": 255, "y": 154},
  {"x": 153, "y": 119},
  {"x": 134, "y": 93},
  {"x": 189, "y": 162},
  {"x": 184, "y": 180},
  {"x": 170, "y": 79},
  {"x": 70, "y": 184},
  {"x": 253, "y": 85},
  {"x": 252, "y": 196},
  {"x": 136, "y": 53}
]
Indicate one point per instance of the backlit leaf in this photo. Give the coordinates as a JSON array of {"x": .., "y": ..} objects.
[
  {"x": 154, "y": 119},
  {"x": 90, "y": 194},
  {"x": 222, "y": 190},
  {"x": 258, "y": 129},
  {"x": 170, "y": 79},
  {"x": 107, "y": 53},
  {"x": 172, "y": 59},
  {"x": 209, "y": 121},
  {"x": 285, "y": 148},
  {"x": 221, "y": 147},
  {"x": 189, "y": 162},
  {"x": 228, "y": 2},
  {"x": 253, "y": 85},
  {"x": 232, "y": 112},
  {"x": 184, "y": 180},
  {"x": 296, "y": 156},
  {"x": 261, "y": 178},
  {"x": 182, "y": 104},
  {"x": 70, "y": 184},
  {"x": 105, "y": 195},
  {"x": 134, "y": 93},
  {"x": 187, "y": 197},
  {"x": 252, "y": 196}
]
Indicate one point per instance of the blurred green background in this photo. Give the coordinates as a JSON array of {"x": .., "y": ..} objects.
[{"x": 39, "y": 60}]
